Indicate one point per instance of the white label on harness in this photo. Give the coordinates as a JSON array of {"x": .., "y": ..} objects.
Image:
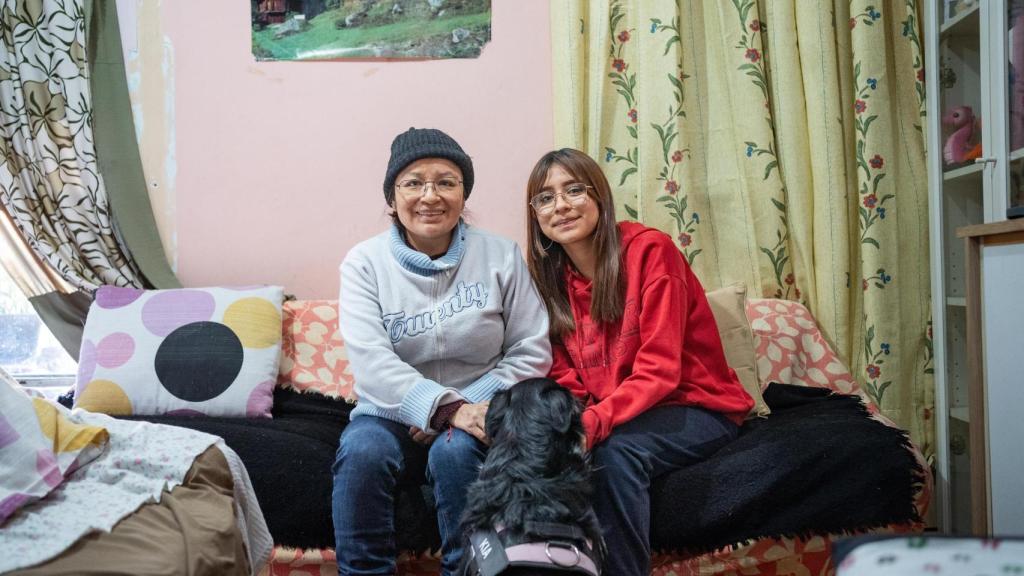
[{"x": 485, "y": 548}]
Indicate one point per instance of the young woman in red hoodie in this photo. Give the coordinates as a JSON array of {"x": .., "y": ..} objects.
[{"x": 633, "y": 337}]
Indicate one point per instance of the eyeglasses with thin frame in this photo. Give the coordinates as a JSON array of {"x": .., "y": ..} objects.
[
  {"x": 574, "y": 194},
  {"x": 417, "y": 187}
]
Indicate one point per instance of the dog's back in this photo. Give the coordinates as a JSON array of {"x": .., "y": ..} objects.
[{"x": 536, "y": 475}]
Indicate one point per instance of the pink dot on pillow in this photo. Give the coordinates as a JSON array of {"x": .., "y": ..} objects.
[
  {"x": 86, "y": 362},
  {"x": 47, "y": 467},
  {"x": 115, "y": 350},
  {"x": 185, "y": 412},
  {"x": 115, "y": 297},
  {"x": 261, "y": 400},
  {"x": 167, "y": 311}
]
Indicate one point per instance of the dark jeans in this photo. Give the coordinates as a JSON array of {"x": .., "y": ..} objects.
[
  {"x": 374, "y": 454},
  {"x": 657, "y": 442}
]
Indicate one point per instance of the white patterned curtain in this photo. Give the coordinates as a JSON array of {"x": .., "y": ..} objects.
[{"x": 49, "y": 182}]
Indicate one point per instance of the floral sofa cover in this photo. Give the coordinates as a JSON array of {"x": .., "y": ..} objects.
[{"x": 790, "y": 350}]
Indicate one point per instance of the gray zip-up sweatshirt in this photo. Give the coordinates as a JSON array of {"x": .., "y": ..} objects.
[{"x": 421, "y": 333}]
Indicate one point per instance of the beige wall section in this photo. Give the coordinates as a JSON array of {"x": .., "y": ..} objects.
[{"x": 149, "y": 66}]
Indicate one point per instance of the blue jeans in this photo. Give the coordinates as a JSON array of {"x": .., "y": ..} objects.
[
  {"x": 657, "y": 442},
  {"x": 373, "y": 456}
]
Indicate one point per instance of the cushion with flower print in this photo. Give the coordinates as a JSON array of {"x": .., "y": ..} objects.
[
  {"x": 313, "y": 355},
  {"x": 791, "y": 349}
]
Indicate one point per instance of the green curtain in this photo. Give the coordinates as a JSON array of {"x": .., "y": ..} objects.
[
  {"x": 780, "y": 143},
  {"x": 64, "y": 315},
  {"x": 117, "y": 149}
]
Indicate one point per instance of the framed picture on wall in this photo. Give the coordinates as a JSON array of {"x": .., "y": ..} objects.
[{"x": 367, "y": 29}]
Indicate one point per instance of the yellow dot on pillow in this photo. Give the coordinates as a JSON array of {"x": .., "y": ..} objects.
[
  {"x": 106, "y": 397},
  {"x": 67, "y": 436},
  {"x": 256, "y": 322}
]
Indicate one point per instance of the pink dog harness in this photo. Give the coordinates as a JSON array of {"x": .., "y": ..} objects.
[{"x": 552, "y": 546}]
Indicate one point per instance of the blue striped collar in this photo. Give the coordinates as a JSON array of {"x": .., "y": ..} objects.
[{"x": 418, "y": 262}]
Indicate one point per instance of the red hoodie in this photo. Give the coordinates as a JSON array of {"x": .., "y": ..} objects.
[{"x": 665, "y": 350}]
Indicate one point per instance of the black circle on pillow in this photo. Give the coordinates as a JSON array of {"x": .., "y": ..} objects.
[{"x": 199, "y": 361}]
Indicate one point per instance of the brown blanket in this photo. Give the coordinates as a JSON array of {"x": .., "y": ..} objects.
[{"x": 192, "y": 531}]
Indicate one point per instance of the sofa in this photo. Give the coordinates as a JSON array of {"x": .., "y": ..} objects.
[{"x": 770, "y": 503}]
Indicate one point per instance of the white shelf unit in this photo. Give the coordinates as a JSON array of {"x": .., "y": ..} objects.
[
  {"x": 969, "y": 55},
  {"x": 962, "y": 414},
  {"x": 967, "y": 20},
  {"x": 963, "y": 172}
]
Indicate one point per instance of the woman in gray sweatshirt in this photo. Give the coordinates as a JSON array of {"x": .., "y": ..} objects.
[{"x": 437, "y": 316}]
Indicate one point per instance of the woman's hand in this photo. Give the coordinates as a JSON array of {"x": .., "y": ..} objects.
[
  {"x": 470, "y": 419},
  {"x": 421, "y": 437}
]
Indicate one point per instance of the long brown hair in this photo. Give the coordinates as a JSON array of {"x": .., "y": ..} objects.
[{"x": 547, "y": 259}]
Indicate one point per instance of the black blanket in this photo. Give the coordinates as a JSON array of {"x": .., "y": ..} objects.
[
  {"x": 289, "y": 458},
  {"x": 817, "y": 465}
]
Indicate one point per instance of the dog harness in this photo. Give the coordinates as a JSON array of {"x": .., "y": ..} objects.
[{"x": 558, "y": 548}]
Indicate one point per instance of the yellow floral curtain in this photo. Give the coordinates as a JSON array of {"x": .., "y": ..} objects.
[{"x": 780, "y": 144}]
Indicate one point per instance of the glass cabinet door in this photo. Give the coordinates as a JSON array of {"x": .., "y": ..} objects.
[
  {"x": 1015, "y": 107},
  {"x": 965, "y": 114}
]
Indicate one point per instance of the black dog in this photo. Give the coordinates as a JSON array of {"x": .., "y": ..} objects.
[{"x": 529, "y": 511}]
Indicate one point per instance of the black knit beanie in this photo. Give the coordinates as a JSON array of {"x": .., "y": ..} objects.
[{"x": 417, "y": 143}]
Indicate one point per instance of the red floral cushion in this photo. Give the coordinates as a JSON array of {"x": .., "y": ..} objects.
[
  {"x": 313, "y": 355},
  {"x": 792, "y": 350}
]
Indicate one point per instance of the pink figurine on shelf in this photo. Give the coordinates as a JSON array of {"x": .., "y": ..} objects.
[{"x": 963, "y": 145}]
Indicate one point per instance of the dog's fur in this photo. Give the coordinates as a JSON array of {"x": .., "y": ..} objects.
[{"x": 536, "y": 469}]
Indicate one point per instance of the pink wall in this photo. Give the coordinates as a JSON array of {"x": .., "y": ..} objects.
[{"x": 279, "y": 164}]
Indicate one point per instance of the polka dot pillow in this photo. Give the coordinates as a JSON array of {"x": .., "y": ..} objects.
[{"x": 193, "y": 351}]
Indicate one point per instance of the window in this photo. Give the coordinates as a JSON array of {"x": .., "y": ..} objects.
[{"x": 28, "y": 350}]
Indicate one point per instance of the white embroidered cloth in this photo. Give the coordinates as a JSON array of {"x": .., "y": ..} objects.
[
  {"x": 141, "y": 461},
  {"x": 904, "y": 555}
]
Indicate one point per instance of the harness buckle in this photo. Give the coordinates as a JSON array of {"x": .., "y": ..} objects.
[{"x": 564, "y": 546}]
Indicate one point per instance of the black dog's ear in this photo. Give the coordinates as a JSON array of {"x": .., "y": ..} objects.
[
  {"x": 562, "y": 406},
  {"x": 496, "y": 413},
  {"x": 562, "y": 420}
]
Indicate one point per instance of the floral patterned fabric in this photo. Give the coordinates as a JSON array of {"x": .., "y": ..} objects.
[
  {"x": 313, "y": 355},
  {"x": 768, "y": 557},
  {"x": 764, "y": 557},
  {"x": 50, "y": 184},
  {"x": 934, "y": 555},
  {"x": 790, "y": 349},
  {"x": 780, "y": 144}
]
